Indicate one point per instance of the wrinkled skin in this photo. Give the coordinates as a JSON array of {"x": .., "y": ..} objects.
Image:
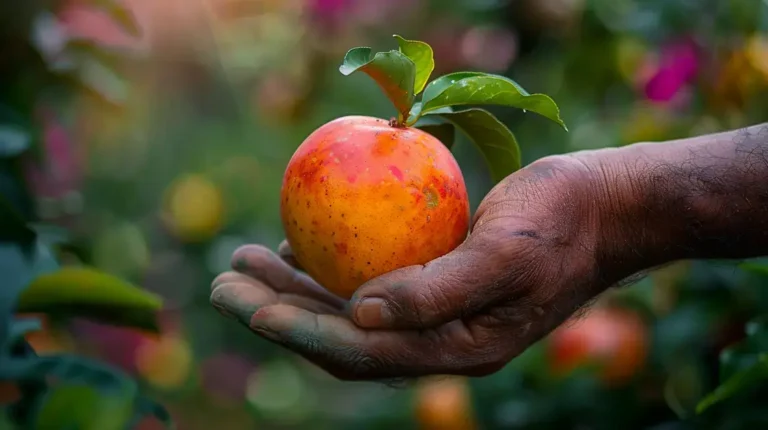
[
  {"x": 361, "y": 198},
  {"x": 543, "y": 243}
]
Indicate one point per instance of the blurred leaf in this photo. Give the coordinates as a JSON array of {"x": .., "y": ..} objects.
[
  {"x": 13, "y": 140},
  {"x": 755, "y": 267},
  {"x": 67, "y": 368},
  {"x": 103, "y": 80},
  {"x": 88, "y": 293},
  {"x": 495, "y": 141},
  {"x": 49, "y": 234},
  {"x": 13, "y": 227},
  {"x": 119, "y": 12},
  {"x": 19, "y": 328},
  {"x": 18, "y": 269},
  {"x": 749, "y": 377},
  {"x": 15, "y": 136},
  {"x": 747, "y": 352},
  {"x": 465, "y": 88},
  {"x": 758, "y": 328},
  {"x": 444, "y": 131},
  {"x": 82, "y": 407},
  {"x": 422, "y": 56},
  {"x": 146, "y": 406},
  {"x": 393, "y": 71}
]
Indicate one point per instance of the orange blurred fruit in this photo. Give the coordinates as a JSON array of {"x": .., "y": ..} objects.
[
  {"x": 444, "y": 404},
  {"x": 613, "y": 339}
]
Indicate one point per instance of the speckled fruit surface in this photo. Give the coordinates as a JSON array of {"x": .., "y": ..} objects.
[{"x": 361, "y": 198}]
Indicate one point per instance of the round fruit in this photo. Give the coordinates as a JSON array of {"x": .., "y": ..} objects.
[
  {"x": 165, "y": 362},
  {"x": 194, "y": 208},
  {"x": 444, "y": 403},
  {"x": 615, "y": 340},
  {"x": 361, "y": 198}
]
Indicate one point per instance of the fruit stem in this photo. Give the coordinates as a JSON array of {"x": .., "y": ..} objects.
[{"x": 398, "y": 122}]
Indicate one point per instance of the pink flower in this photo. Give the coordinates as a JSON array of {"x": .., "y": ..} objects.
[
  {"x": 678, "y": 66},
  {"x": 329, "y": 12},
  {"x": 84, "y": 21},
  {"x": 59, "y": 171}
]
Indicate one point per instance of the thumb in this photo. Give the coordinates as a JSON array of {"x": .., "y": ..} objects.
[{"x": 458, "y": 284}]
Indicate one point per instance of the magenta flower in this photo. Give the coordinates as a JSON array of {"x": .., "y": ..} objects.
[
  {"x": 59, "y": 172},
  {"x": 329, "y": 12},
  {"x": 678, "y": 66}
]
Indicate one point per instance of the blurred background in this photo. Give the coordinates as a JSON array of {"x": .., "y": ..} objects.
[{"x": 170, "y": 154}]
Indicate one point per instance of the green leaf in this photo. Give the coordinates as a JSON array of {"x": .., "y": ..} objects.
[
  {"x": 83, "y": 407},
  {"x": 88, "y": 293},
  {"x": 755, "y": 267},
  {"x": 18, "y": 267},
  {"x": 474, "y": 88},
  {"x": 422, "y": 56},
  {"x": 746, "y": 353},
  {"x": 393, "y": 72},
  {"x": 754, "y": 375},
  {"x": 497, "y": 144},
  {"x": 436, "y": 87}
]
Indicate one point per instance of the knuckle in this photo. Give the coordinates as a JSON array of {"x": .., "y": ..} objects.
[{"x": 425, "y": 306}]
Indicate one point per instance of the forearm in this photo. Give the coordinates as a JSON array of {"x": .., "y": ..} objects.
[{"x": 703, "y": 197}]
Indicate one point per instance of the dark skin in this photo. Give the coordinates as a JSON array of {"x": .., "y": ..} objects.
[{"x": 544, "y": 242}]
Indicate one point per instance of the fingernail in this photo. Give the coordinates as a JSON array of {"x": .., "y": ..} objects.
[
  {"x": 373, "y": 312},
  {"x": 231, "y": 306}
]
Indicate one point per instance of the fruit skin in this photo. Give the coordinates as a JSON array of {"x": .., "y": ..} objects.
[
  {"x": 361, "y": 198},
  {"x": 616, "y": 340}
]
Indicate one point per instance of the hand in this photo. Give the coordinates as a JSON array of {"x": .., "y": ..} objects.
[{"x": 532, "y": 259}]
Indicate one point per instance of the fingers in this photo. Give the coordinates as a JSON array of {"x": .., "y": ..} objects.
[
  {"x": 457, "y": 285},
  {"x": 264, "y": 265},
  {"x": 286, "y": 253},
  {"x": 241, "y": 288},
  {"x": 349, "y": 352}
]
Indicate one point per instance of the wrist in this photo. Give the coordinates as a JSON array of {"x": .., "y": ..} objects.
[
  {"x": 639, "y": 213},
  {"x": 697, "y": 198}
]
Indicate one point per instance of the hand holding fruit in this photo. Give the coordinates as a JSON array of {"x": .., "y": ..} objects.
[
  {"x": 528, "y": 263},
  {"x": 545, "y": 240}
]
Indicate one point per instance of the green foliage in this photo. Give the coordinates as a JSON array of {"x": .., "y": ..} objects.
[
  {"x": 58, "y": 391},
  {"x": 404, "y": 74},
  {"x": 742, "y": 366},
  {"x": 87, "y": 293},
  {"x": 393, "y": 71},
  {"x": 423, "y": 59},
  {"x": 463, "y": 88},
  {"x": 491, "y": 136}
]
